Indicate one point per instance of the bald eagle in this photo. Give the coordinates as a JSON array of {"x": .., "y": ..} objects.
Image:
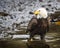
[{"x": 38, "y": 25}]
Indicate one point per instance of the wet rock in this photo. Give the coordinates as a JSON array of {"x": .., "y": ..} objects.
[
  {"x": 37, "y": 44},
  {"x": 49, "y": 5},
  {"x": 47, "y": 9},
  {"x": 56, "y": 14},
  {"x": 11, "y": 17},
  {"x": 12, "y": 44},
  {"x": 21, "y": 9},
  {"x": 3, "y": 14}
]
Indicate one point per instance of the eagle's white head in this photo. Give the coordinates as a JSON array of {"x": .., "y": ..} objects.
[{"x": 41, "y": 13}]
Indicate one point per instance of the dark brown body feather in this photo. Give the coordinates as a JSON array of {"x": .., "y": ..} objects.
[{"x": 38, "y": 26}]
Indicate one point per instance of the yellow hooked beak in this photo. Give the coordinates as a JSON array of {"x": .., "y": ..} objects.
[{"x": 36, "y": 12}]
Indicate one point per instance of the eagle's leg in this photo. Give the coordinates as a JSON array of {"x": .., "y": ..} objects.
[{"x": 31, "y": 36}]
